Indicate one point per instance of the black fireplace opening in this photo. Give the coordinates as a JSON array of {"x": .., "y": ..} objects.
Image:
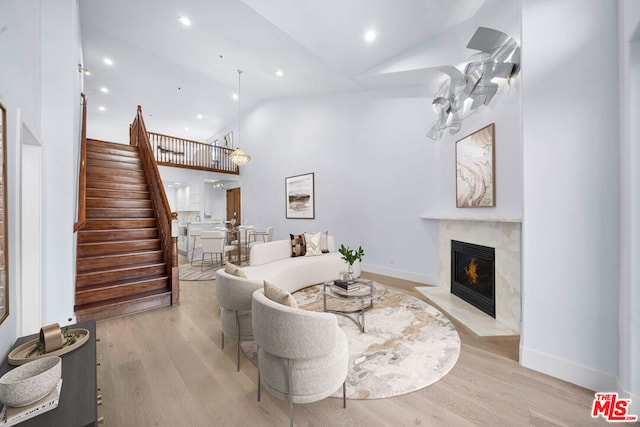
[{"x": 473, "y": 275}]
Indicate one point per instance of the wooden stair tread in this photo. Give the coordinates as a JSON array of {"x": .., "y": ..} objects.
[
  {"x": 121, "y": 289},
  {"x": 115, "y": 155},
  {"x": 119, "y": 213},
  {"x": 130, "y": 272},
  {"x": 123, "y": 282},
  {"x": 122, "y": 299},
  {"x": 91, "y": 142},
  {"x": 120, "y": 262},
  {"x": 110, "y": 235},
  {"x": 123, "y": 203},
  {"x": 104, "y": 170},
  {"x": 115, "y": 185},
  {"x": 134, "y": 253},
  {"x": 114, "y": 163},
  {"x": 123, "y": 306},
  {"x": 116, "y": 194},
  {"x": 104, "y": 263},
  {"x": 92, "y": 177},
  {"x": 119, "y": 223},
  {"x": 130, "y": 267},
  {"x": 92, "y": 249}
]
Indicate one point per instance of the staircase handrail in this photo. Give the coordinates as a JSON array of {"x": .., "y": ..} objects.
[
  {"x": 139, "y": 137},
  {"x": 82, "y": 179}
]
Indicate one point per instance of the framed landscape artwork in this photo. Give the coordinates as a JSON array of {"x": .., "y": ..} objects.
[
  {"x": 300, "y": 199},
  {"x": 475, "y": 170}
]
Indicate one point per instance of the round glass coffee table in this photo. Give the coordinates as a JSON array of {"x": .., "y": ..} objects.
[{"x": 354, "y": 302}]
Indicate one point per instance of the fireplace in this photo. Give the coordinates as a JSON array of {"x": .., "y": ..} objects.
[{"x": 473, "y": 275}]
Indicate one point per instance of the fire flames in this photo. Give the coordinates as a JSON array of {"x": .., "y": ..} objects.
[{"x": 472, "y": 271}]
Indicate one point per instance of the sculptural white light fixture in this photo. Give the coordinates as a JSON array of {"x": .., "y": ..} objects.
[
  {"x": 239, "y": 156},
  {"x": 464, "y": 92}
]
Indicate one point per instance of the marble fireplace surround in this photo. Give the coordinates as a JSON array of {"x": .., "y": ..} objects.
[{"x": 505, "y": 237}]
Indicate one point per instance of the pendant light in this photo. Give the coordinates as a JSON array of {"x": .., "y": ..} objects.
[{"x": 239, "y": 156}]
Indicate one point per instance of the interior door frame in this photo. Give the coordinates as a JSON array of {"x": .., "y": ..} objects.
[{"x": 234, "y": 205}]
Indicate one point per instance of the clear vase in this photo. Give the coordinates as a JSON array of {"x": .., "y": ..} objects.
[{"x": 350, "y": 273}]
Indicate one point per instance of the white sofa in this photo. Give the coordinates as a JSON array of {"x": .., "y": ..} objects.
[{"x": 272, "y": 261}]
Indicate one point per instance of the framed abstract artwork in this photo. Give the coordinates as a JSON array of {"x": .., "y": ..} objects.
[
  {"x": 475, "y": 169},
  {"x": 300, "y": 198}
]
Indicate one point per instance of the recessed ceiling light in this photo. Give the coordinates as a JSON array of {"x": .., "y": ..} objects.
[
  {"x": 107, "y": 61},
  {"x": 186, "y": 128},
  {"x": 369, "y": 36},
  {"x": 199, "y": 116},
  {"x": 279, "y": 73},
  {"x": 104, "y": 90},
  {"x": 101, "y": 108},
  {"x": 185, "y": 21},
  {"x": 235, "y": 96}
]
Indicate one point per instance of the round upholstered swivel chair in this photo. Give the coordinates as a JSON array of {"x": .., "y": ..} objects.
[
  {"x": 303, "y": 356},
  {"x": 233, "y": 294}
]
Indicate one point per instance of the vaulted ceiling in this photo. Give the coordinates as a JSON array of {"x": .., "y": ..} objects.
[{"x": 179, "y": 72}]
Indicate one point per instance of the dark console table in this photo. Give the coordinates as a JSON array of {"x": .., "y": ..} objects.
[{"x": 77, "y": 406}]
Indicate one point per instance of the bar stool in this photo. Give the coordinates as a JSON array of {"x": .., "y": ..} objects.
[{"x": 195, "y": 234}]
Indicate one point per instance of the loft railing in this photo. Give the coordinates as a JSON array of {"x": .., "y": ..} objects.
[
  {"x": 139, "y": 137},
  {"x": 185, "y": 153},
  {"x": 82, "y": 178}
]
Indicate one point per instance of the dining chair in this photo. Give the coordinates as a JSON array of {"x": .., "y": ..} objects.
[{"x": 214, "y": 243}]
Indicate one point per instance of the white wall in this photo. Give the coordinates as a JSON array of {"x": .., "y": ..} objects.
[
  {"x": 105, "y": 129},
  {"x": 376, "y": 172},
  {"x": 629, "y": 324},
  {"x": 39, "y": 45},
  {"x": 19, "y": 90},
  {"x": 214, "y": 202},
  {"x": 571, "y": 192},
  {"x": 60, "y": 132}
]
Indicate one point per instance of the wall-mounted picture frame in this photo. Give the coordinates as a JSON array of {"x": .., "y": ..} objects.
[
  {"x": 228, "y": 140},
  {"x": 475, "y": 169},
  {"x": 300, "y": 197},
  {"x": 4, "y": 226}
]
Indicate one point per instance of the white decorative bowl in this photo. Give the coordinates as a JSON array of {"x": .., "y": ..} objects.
[{"x": 30, "y": 382}]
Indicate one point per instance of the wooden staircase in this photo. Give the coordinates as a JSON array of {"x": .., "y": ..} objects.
[{"x": 120, "y": 265}]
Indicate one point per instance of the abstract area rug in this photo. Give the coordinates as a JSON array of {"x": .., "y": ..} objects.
[
  {"x": 407, "y": 344},
  {"x": 188, "y": 272}
]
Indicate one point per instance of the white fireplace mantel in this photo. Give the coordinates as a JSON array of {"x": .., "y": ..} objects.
[
  {"x": 470, "y": 218},
  {"x": 505, "y": 237}
]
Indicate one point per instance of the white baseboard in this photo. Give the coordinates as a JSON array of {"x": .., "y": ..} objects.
[
  {"x": 572, "y": 372},
  {"x": 400, "y": 274},
  {"x": 634, "y": 408}
]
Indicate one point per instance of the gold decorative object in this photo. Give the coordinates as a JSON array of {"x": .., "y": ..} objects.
[
  {"x": 36, "y": 349},
  {"x": 52, "y": 338}
]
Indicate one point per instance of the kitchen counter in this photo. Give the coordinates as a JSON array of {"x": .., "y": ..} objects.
[{"x": 188, "y": 233}]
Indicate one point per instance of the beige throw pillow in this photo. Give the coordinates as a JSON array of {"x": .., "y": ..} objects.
[
  {"x": 279, "y": 295},
  {"x": 234, "y": 270},
  {"x": 312, "y": 242}
]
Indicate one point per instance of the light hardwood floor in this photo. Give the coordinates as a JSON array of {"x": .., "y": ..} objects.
[{"x": 165, "y": 367}]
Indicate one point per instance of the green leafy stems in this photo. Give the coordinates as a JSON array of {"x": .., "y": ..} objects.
[{"x": 351, "y": 255}]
